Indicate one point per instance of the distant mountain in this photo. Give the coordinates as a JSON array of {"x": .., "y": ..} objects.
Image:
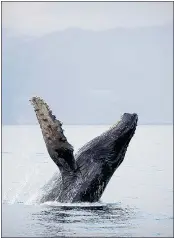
[{"x": 89, "y": 77}]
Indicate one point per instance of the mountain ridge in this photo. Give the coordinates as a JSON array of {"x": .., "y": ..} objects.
[{"x": 90, "y": 78}]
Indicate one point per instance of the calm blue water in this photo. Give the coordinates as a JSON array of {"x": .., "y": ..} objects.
[{"x": 137, "y": 202}]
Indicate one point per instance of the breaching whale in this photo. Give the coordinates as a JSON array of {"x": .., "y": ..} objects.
[{"x": 84, "y": 176}]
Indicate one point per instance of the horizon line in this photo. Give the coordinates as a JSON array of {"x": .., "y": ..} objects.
[{"x": 141, "y": 124}]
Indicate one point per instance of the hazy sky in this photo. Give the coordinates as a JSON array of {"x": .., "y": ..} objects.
[
  {"x": 94, "y": 65},
  {"x": 37, "y": 18}
]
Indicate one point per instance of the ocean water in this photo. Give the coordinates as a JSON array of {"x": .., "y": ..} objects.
[{"x": 138, "y": 201}]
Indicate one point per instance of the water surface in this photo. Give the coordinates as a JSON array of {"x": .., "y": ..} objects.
[{"x": 138, "y": 201}]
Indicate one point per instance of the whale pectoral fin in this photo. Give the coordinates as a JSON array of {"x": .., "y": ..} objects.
[{"x": 59, "y": 149}]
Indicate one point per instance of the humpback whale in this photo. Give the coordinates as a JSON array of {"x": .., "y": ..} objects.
[{"x": 84, "y": 176}]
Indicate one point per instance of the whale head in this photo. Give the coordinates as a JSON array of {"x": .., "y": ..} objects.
[{"x": 100, "y": 157}]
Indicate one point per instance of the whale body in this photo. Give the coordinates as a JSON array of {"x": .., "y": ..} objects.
[{"x": 84, "y": 176}]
